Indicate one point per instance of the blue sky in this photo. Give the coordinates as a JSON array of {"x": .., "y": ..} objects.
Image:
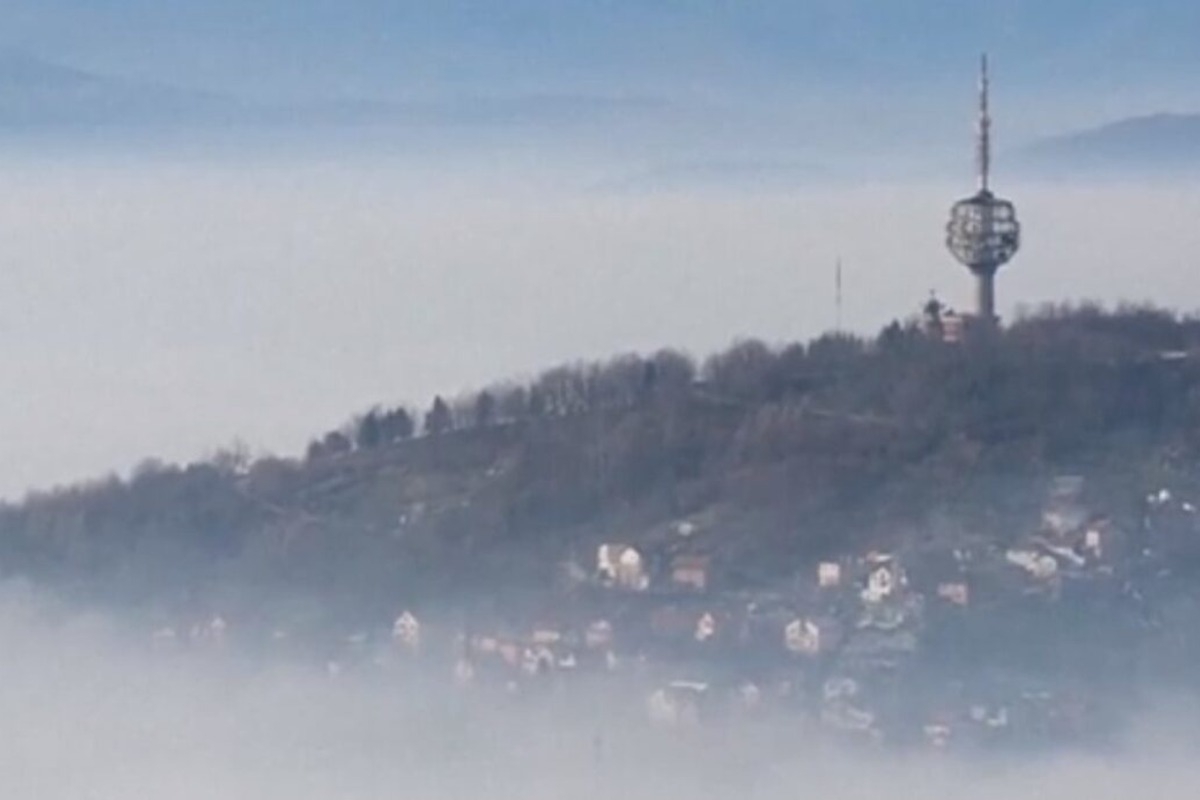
[
  {"x": 863, "y": 76},
  {"x": 401, "y": 47}
]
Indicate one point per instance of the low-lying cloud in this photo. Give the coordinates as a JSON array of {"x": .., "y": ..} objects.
[
  {"x": 93, "y": 711},
  {"x": 165, "y": 308}
]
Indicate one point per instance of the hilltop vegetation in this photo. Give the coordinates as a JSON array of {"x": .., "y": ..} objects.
[{"x": 774, "y": 457}]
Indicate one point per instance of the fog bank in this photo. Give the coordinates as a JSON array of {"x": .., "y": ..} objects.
[
  {"x": 165, "y": 308},
  {"x": 93, "y": 711}
]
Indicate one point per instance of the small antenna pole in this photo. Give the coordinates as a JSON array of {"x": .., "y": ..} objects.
[{"x": 838, "y": 293}]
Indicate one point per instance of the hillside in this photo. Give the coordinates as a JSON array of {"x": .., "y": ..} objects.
[{"x": 769, "y": 459}]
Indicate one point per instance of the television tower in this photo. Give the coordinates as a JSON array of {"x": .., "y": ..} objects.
[{"x": 983, "y": 232}]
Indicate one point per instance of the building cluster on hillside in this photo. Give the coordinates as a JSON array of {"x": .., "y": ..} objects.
[{"x": 941, "y": 645}]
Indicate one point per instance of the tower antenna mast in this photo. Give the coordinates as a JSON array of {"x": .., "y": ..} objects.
[{"x": 984, "y": 151}]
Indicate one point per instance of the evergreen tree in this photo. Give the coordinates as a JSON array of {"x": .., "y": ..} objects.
[
  {"x": 370, "y": 432},
  {"x": 485, "y": 410},
  {"x": 398, "y": 425},
  {"x": 438, "y": 420}
]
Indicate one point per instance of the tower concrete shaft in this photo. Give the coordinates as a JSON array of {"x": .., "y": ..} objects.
[{"x": 985, "y": 296}]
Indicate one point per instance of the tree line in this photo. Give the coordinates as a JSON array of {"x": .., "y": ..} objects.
[{"x": 785, "y": 453}]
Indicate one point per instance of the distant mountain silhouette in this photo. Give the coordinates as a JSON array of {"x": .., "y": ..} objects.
[
  {"x": 39, "y": 97},
  {"x": 1140, "y": 144},
  {"x": 37, "y": 94}
]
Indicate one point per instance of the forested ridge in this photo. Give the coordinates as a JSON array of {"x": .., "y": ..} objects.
[{"x": 773, "y": 456}]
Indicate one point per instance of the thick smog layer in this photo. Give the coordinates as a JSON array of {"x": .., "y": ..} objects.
[{"x": 94, "y": 712}]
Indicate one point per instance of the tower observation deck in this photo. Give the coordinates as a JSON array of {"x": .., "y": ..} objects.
[{"x": 983, "y": 232}]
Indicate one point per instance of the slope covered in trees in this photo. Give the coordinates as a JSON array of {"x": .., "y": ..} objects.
[{"x": 774, "y": 456}]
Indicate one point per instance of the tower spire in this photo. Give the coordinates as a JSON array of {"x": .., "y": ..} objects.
[{"x": 984, "y": 153}]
